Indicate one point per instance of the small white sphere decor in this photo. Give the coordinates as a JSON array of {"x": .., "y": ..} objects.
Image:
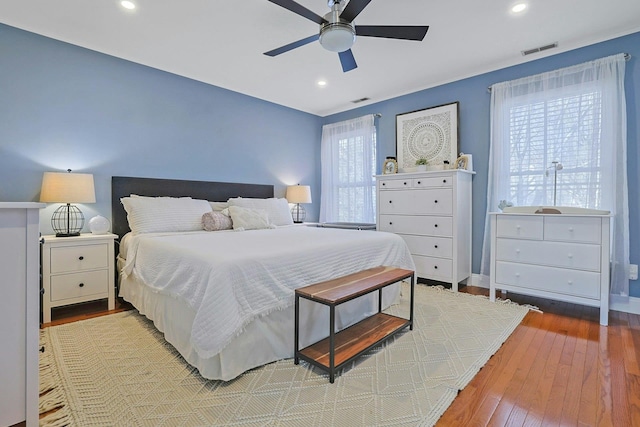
[{"x": 99, "y": 225}]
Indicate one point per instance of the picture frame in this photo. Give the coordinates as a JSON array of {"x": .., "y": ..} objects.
[
  {"x": 389, "y": 166},
  {"x": 431, "y": 133},
  {"x": 462, "y": 162}
]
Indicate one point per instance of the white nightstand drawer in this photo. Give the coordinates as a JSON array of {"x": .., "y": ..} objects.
[
  {"x": 441, "y": 247},
  {"x": 434, "y": 268},
  {"x": 579, "y": 283},
  {"x": 520, "y": 226},
  {"x": 557, "y": 254},
  {"x": 572, "y": 229},
  {"x": 418, "y": 225},
  {"x": 78, "y": 258},
  {"x": 76, "y": 285}
]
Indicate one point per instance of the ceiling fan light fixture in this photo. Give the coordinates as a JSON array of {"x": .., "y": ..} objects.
[{"x": 337, "y": 36}]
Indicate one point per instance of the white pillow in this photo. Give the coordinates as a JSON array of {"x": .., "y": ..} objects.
[
  {"x": 277, "y": 209},
  {"x": 219, "y": 206},
  {"x": 249, "y": 219},
  {"x": 162, "y": 214}
]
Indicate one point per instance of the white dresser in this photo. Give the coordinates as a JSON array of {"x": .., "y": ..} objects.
[
  {"x": 562, "y": 257},
  {"x": 77, "y": 269},
  {"x": 432, "y": 213},
  {"x": 20, "y": 284}
]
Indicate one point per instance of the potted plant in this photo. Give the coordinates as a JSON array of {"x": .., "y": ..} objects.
[{"x": 421, "y": 164}]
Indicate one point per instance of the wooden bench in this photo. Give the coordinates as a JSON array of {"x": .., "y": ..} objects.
[{"x": 333, "y": 352}]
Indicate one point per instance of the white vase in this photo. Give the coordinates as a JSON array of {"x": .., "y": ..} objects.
[{"x": 421, "y": 168}]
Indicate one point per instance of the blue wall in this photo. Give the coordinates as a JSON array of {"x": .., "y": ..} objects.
[
  {"x": 474, "y": 125},
  {"x": 62, "y": 106}
]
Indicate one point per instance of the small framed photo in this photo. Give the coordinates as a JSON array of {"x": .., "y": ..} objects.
[
  {"x": 462, "y": 162},
  {"x": 389, "y": 166}
]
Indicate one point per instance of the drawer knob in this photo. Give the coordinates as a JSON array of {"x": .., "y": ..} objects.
[
  {"x": 80, "y": 257},
  {"x": 419, "y": 182},
  {"x": 390, "y": 201},
  {"x": 517, "y": 274},
  {"x": 570, "y": 282},
  {"x": 390, "y": 223},
  {"x": 435, "y": 267},
  {"x": 571, "y": 229},
  {"x": 435, "y": 246},
  {"x": 517, "y": 251},
  {"x": 81, "y": 285},
  {"x": 570, "y": 255},
  {"x": 384, "y": 183},
  {"x": 444, "y": 181},
  {"x": 435, "y": 201},
  {"x": 405, "y": 183},
  {"x": 436, "y": 225}
]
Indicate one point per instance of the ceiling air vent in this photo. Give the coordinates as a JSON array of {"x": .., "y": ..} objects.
[
  {"x": 357, "y": 101},
  {"x": 539, "y": 49}
]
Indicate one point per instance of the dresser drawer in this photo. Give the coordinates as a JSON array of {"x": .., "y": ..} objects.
[
  {"x": 411, "y": 202},
  {"x": 578, "y": 283},
  {"x": 441, "y": 247},
  {"x": 394, "y": 184},
  {"x": 434, "y": 268},
  {"x": 520, "y": 226},
  {"x": 78, "y": 258},
  {"x": 558, "y": 254},
  {"x": 418, "y": 225},
  {"x": 433, "y": 182},
  {"x": 77, "y": 285},
  {"x": 572, "y": 229}
]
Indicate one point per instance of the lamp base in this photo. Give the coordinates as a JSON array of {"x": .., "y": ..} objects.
[
  {"x": 298, "y": 214},
  {"x": 67, "y": 234}
]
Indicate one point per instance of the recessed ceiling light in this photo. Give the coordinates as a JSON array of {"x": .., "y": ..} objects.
[
  {"x": 520, "y": 7},
  {"x": 128, "y": 4},
  {"x": 321, "y": 83}
]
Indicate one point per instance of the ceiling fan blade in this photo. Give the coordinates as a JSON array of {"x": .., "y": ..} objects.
[
  {"x": 404, "y": 32},
  {"x": 347, "y": 60},
  {"x": 353, "y": 9},
  {"x": 291, "y": 46},
  {"x": 300, "y": 10}
]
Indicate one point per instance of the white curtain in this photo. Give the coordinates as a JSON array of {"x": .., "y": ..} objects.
[
  {"x": 348, "y": 160},
  {"x": 576, "y": 116}
]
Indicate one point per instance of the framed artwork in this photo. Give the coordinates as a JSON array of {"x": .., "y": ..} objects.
[
  {"x": 462, "y": 162},
  {"x": 431, "y": 133},
  {"x": 389, "y": 166}
]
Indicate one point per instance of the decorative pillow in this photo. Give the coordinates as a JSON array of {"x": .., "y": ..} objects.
[
  {"x": 214, "y": 221},
  {"x": 162, "y": 214},
  {"x": 249, "y": 219},
  {"x": 218, "y": 206},
  {"x": 277, "y": 209}
]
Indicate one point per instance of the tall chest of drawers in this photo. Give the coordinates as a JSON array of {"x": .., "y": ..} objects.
[
  {"x": 431, "y": 211},
  {"x": 561, "y": 257}
]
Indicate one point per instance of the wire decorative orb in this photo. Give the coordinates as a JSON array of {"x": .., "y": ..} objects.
[{"x": 67, "y": 221}]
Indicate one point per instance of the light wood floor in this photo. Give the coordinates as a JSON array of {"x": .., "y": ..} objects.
[{"x": 558, "y": 368}]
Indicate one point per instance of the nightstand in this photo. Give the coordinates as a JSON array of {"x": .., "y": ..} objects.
[{"x": 77, "y": 269}]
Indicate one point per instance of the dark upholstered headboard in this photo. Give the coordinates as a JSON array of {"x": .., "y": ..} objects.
[{"x": 213, "y": 191}]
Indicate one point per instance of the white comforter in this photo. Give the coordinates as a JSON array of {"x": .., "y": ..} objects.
[{"x": 229, "y": 277}]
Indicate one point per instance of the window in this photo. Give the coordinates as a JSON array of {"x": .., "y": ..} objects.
[
  {"x": 557, "y": 128},
  {"x": 348, "y": 169}
]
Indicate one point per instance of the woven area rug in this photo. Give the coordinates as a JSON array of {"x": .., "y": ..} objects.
[{"x": 117, "y": 370}]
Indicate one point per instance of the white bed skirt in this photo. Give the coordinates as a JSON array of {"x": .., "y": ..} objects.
[{"x": 264, "y": 340}]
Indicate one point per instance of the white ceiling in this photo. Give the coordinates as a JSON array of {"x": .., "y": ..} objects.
[{"x": 222, "y": 42}]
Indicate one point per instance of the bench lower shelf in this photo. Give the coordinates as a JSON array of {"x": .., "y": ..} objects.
[{"x": 354, "y": 340}]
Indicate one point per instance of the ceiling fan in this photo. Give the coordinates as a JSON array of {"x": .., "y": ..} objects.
[{"x": 338, "y": 32}]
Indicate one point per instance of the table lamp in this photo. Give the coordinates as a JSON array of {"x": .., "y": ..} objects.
[
  {"x": 298, "y": 194},
  {"x": 67, "y": 188}
]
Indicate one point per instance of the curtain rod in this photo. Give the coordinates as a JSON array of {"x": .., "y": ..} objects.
[
  {"x": 377, "y": 115},
  {"x": 627, "y": 57}
]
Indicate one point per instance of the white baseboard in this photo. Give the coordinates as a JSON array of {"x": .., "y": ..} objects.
[{"x": 616, "y": 302}]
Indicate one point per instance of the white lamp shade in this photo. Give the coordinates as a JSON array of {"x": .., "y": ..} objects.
[
  {"x": 63, "y": 187},
  {"x": 298, "y": 194}
]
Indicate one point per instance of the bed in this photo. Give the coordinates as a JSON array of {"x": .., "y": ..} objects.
[{"x": 224, "y": 299}]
